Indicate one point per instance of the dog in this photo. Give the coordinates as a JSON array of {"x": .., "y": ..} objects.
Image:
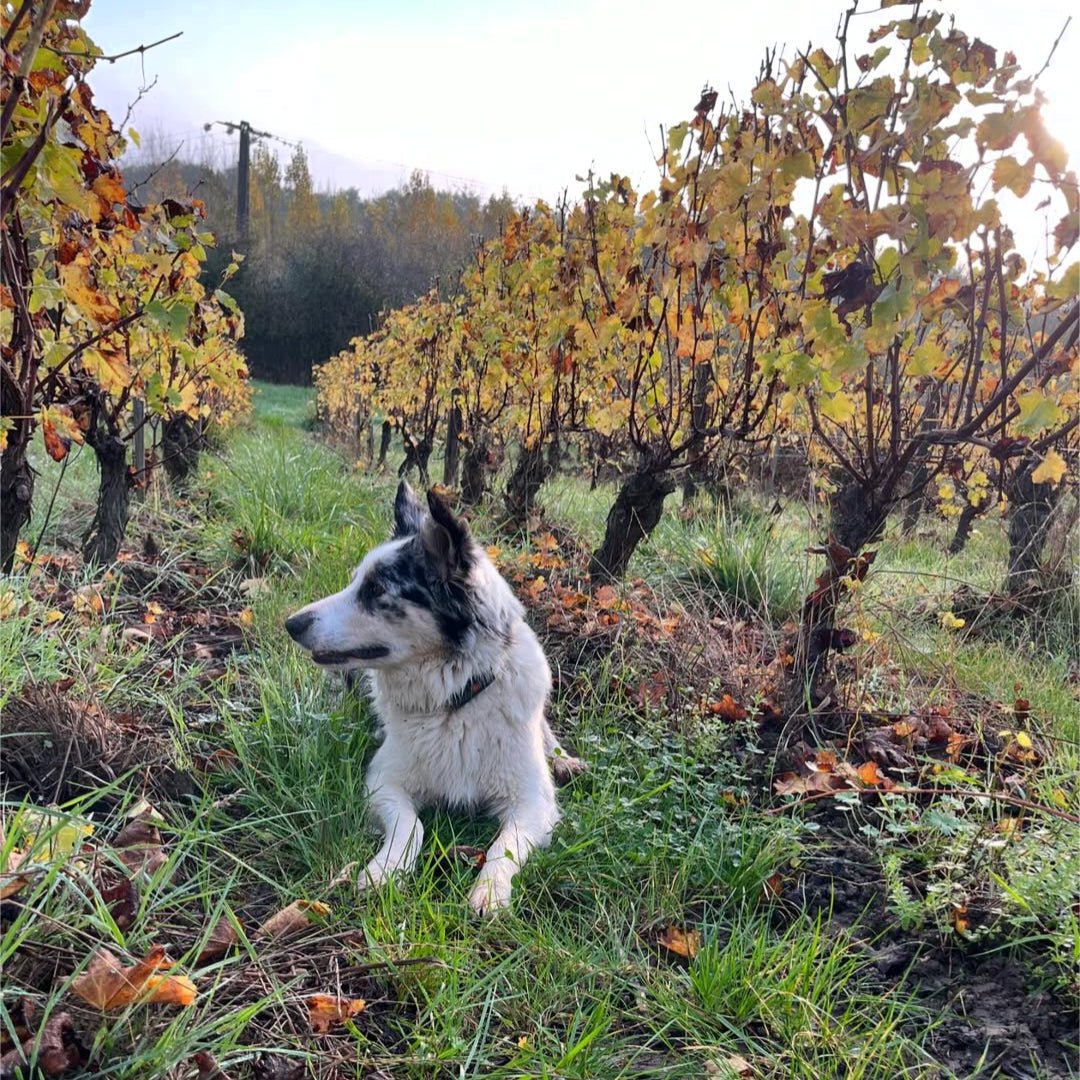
[{"x": 459, "y": 684}]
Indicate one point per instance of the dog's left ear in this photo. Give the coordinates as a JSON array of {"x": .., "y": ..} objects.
[
  {"x": 408, "y": 513},
  {"x": 446, "y": 539}
]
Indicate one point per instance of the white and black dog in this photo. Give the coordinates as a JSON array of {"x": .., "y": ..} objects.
[{"x": 459, "y": 683}]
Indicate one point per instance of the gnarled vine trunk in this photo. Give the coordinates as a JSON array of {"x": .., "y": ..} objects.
[
  {"x": 181, "y": 442},
  {"x": 965, "y": 523},
  {"x": 453, "y": 446},
  {"x": 1031, "y": 509},
  {"x": 16, "y": 498},
  {"x": 858, "y": 518},
  {"x": 101, "y": 543},
  {"x": 531, "y": 469},
  {"x": 474, "y": 472},
  {"x": 633, "y": 516},
  {"x": 385, "y": 438}
]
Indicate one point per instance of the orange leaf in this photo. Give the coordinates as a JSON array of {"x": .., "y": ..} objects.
[
  {"x": 56, "y": 445},
  {"x": 681, "y": 942},
  {"x": 326, "y": 1010},
  {"x": 605, "y": 597},
  {"x": 107, "y": 984},
  {"x": 728, "y": 708},
  {"x": 869, "y": 774},
  {"x": 960, "y": 919}
]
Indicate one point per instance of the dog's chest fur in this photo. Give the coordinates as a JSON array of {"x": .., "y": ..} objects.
[{"x": 484, "y": 754}]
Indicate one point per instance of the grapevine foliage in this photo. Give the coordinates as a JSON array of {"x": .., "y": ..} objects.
[{"x": 101, "y": 302}]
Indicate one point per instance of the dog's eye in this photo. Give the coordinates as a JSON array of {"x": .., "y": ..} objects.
[{"x": 371, "y": 590}]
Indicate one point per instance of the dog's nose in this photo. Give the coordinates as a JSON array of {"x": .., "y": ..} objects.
[{"x": 297, "y": 624}]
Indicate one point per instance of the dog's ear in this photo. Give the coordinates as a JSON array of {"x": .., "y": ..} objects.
[
  {"x": 446, "y": 539},
  {"x": 408, "y": 513}
]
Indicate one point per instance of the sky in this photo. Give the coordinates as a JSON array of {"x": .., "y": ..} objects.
[{"x": 490, "y": 95}]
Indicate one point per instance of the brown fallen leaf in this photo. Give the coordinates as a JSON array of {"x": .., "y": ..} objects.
[
  {"x": 292, "y": 919},
  {"x": 774, "y": 884},
  {"x": 208, "y": 1067},
  {"x": 222, "y": 938},
  {"x": 681, "y": 942},
  {"x": 733, "y": 1066},
  {"x": 21, "y": 1015},
  {"x": 814, "y": 784},
  {"x": 474, "y": 857},
  {"x": 58, "y": 1050},
  {"x": 138, "y": 845},
  {"x": 278, "y": 1067},
  {"x": 107, "y": 984},
  {"x": 122, "y": 902},
  {"x": 10, "y": 884},
  {"x": 326, "y": 1011}
]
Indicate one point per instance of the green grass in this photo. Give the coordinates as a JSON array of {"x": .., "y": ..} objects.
[{"x": 660, "y": 832}]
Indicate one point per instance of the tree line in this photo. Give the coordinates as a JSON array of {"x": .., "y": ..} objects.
[{"x": 319, "y": 267}]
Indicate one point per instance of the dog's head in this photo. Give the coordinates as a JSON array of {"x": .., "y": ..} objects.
[{"x": 409, "y": 600}]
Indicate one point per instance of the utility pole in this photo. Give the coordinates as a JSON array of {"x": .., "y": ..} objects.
[
  {"x": 243, "y": 167},
  {"x": 243, "y": 173}
]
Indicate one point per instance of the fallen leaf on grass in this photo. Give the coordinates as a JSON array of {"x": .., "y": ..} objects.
[
  {"x": 960, "y": 919},
  {"x": 10, "y": 884},
  {"x": 20, "y": 1015},
  {"x": 153, "y": 612},
  {"x": 222, "y": 938},
  {"x": 88, "y": 602},
  {"x": 138, "y": 845},
  {"x": 606, "y": 597},
  {"x": 872, "y": 776},
  {"x": 727, "y": 708},
  {"x": 208, "y": 1067},
  {"x": 730, "y": 1067},
  {"x": 326, "y": 1011},
  {"x": 681, "y": 942},
  {"x": 107, "y": 984},
  {"x": 122, "y": 902},
  {"x": 278, "y": 1067},
  {"x": 58, "y": 1050},
  {"x": 470, "y": 856},
  {"x": 774, "y": 884},
  {"x": 817, "y": 783},
  {"x": 292, "y": 919}
]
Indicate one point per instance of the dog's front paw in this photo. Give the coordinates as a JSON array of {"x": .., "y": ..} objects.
[
  {"x": 374, "y": 874},
  {"x": 490, "y": 895}
]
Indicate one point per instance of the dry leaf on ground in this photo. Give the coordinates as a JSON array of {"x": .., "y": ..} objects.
[
  {"x": 107, "y": 984},
  {"x": 58, "y": 1050},
  {"x": 222, "y": 938},
  {"x": 681, "y": 942},
  {"x": 291, "y": 919},
  {"x": 327, "y": 1010}
]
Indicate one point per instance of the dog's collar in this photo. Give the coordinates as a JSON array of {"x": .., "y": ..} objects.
[{"x": 473, "y": 688}]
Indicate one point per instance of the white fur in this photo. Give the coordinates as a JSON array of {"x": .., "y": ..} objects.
[{"x": 491, "y": 753}]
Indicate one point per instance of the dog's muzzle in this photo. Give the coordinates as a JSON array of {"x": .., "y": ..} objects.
[{"x": 299, "y": 624}]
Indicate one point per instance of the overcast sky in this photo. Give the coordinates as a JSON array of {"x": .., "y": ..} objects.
[{"x": 485, "y": 94}]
